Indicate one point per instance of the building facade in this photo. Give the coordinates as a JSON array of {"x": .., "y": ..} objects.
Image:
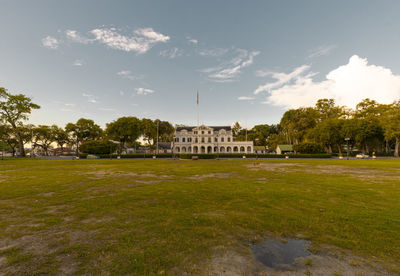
[{"x": 208, "y": 139}]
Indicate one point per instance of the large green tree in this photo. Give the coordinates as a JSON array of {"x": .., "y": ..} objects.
[
  {"x": 83, "y": 130},
  {"x": 14, "y": 109},
  {"x": 124, "y": 130},
  {"x": 391, "y": 125},
  {"x": 43, "y": 137}
]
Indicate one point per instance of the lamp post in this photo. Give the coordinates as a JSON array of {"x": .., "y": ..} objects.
[{"x": 347, "y": 140}]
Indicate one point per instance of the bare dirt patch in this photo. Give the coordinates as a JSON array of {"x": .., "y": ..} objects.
[
  {"x": 360, "y": 172},
  {"x": 228, "y": 261},
  {"x": 210, "y": 175}
]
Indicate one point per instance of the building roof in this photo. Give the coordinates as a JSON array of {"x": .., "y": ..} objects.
[
  {"x": 189, "y": 128},
  {"x": 286, "y": 147}
]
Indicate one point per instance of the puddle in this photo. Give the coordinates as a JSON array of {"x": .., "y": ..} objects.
[{"x": 280, "y": 255}]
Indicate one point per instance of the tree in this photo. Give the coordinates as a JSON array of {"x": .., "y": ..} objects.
[
  {"x": 236, "y": 129},
  {"x": 60, "y": 136},
  {"x": 165, "y": 131},
  {"x": 296, "y": 123},
  {"x": 83, "y": 130},
  {"x": 43, "y": 137},
  {"x": 7, "y": 138},
  {"x": 124, "y": 130},
  {"x": 391, "y": 125},
  {"x": 149, "y": 130},
  {"x": 329, "y": 133},
  {"x": 14, "y": 109},
  {"x": 327, "y": 109}
]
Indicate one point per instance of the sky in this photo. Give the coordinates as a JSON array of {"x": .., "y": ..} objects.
[{"x": 250, "y": 61}]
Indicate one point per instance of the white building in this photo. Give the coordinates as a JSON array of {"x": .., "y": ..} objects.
[{"x": 208, "y": 139}]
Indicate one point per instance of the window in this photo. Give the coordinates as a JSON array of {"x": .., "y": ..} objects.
[
  {"x": 229, "y": 139},
  {"x": 195, "y": 132},
  {"x": 202, "y": 132},
  {"x": 215, "y": 139},
  {"x": 183, "y": 139},
  {"x": 209, "y": 139},
  {"x": 196, "y": 140},
  {"x": 190, "y": 139},
  {"x": 209, "y": 132},
  {"x": 176, "y": 139},
  {"x": 222, "y": 139},
  {"x": 202, "y": 140}
]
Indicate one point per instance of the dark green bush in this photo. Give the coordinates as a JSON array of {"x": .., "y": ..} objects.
[
  {"x": 98, "y": 147},
  {"x": 308, "y": 148}
]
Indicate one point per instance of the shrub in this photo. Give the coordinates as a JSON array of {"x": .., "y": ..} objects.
[
  {"x": 308, "y": 148},
  {"x": 98, "y": 147}
]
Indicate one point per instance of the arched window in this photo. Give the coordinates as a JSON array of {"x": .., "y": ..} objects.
[
  {"x": 228, "y": 149},
  {"x": 183, "y": 149},
  {"x": 235, "y": 149},
  {"x": 229, "y": 139},
  {"x": 183, "y": 139},
  {"x": 221, "y": 149},
  {"x": 222, "y": 139},
  {"x": 241, "y": 149},
  {"x": 248, "y": 149}
]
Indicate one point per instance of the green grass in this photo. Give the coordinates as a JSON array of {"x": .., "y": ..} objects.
[{"x": 162, "y": 216}]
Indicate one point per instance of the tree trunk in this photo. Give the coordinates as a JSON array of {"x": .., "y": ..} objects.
[
  {"x": 329, "y": 149},
  {"x": 77, "y": 146},
  {"x": 21, "y": 145},
  {"x": 340, "y": 149},
  {"x": 386, "y": 146},
  {"x": 396, "y": 148}
]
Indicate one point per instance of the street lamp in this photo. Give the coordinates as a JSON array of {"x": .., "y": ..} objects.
[{"x": 347, "y": 140}]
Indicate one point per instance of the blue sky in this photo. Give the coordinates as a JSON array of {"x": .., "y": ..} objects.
[{"x": 249, "y": 60}]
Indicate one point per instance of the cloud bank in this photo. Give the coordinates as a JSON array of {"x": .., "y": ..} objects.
[
  {"x": 348, "y": 85},
  {"x": 140, "y": 41}
]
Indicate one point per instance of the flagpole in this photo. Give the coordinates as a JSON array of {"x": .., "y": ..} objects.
[{"x": 198, "y": 131}]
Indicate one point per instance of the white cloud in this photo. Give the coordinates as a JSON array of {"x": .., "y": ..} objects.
[
  {"x": 143, "y": 91},
  {"x": 140, "y": 42},
  {"x": 171, "y": 53},
  {"x": 281, "y": 78},
  {"x": 192, "y": 40},
  {"x": 76, "y": 37},
  {"x": 78, "y": 62},
  {"x": 90, "y": 98},
  {"x": 245, "y": 98},
  {"x": 216, "y": 52},
  {"x": 321, "y": 51},
  {"x": 50, "y": 42},
  {"x": 348, "y": 85},
  {"x": 227, "y": 72},
  {"x": 121, "y": 93},
  {"x": 70, "y": 104},
  {"x": 126, "y": 74}
]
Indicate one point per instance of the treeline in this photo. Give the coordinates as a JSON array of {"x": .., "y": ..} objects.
[
  {"x": 326, "y": 127},
  {"x": 83, "y": 134},
  {"x": 370, "y": 127}
]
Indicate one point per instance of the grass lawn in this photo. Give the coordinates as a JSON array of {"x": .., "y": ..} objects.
[{"x": 145, "y": 217}]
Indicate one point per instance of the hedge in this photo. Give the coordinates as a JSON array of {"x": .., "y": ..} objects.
[
  {"x": 124, "y": 156},
  {"x": 208, "y": 155}
]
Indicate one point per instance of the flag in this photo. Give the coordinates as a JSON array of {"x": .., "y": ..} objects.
[{"x": 197, "y": 97}]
